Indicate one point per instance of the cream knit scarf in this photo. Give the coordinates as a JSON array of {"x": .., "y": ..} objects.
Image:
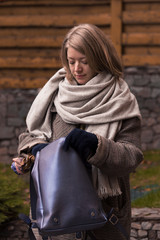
[{"x": 101, "y": 104}]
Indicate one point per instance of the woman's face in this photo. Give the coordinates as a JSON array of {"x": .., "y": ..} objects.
[{"x": 79, "y": 66}]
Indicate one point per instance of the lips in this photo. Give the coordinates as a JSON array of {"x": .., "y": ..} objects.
[{"x": 80, "y": 76}]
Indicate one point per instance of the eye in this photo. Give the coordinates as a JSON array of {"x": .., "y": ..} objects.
[
  {"x": 84, "y": 62},
  {"x": 71, "y": 62}
]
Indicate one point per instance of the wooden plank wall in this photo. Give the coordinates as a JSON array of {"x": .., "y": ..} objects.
[
  {"x": 140, "y": 38},
  {"x": 31, "y": 33}
]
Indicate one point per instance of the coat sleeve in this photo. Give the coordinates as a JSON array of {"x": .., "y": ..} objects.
[
  {"x": 27, "y": 141},
  {"x": 123, "y": 155}
]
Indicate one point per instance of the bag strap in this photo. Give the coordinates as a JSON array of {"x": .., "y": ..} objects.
[
  {"x": 113, "y": 219},
  {"x": 31, "y": 225},
  {"x": 90, "y": 234}
]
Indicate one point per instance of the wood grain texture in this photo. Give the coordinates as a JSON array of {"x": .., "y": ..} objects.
[{"x": 31, "y": 34}]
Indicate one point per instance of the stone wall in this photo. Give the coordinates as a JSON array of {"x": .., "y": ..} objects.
[
  {"x": 145, "y": 224},
  {"x": 14, "y": 105},
  {"x": 144, "y": 83}
]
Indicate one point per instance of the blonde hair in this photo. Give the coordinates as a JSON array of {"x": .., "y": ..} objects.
[{"x": 96, "y": 46}]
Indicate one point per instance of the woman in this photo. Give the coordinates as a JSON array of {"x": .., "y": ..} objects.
[{"x": 90, "y": 104}]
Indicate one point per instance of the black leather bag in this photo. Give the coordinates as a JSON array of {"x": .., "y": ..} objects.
[{"x": 66, "y": 199}]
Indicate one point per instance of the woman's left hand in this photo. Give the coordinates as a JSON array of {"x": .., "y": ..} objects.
[{"x": 83, "y": 142}]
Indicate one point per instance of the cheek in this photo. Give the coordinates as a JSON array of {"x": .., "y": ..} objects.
[
  {"x": 88, "y": 70},
  {"x": 91, "y": 73},
  {"x": 71, "y": 68}
]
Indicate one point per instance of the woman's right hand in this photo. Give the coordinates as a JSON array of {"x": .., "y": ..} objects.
[{"x": 22, "y": 164}]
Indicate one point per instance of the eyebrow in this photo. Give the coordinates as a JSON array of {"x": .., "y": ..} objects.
[{"x": 79, "y": 58}]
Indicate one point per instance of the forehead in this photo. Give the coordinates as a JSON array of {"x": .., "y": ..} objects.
[{"x": 73, "y": 53}]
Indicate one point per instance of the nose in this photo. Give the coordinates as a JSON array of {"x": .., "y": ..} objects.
[{"x": 77, "y": 66}]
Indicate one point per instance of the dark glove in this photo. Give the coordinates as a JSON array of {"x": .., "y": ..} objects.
[
  {"x": 37, "y": 148},
  {"x": 83, "y": 142}
]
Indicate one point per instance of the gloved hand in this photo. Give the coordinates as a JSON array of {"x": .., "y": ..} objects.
[
  {"x": 38, "y": 147},
  {"x": 83, "y": 142}
]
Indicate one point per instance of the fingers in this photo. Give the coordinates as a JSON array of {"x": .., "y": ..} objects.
[
  {"x": 72, "y": 139},
  {"x": 17, "y": 159},
  {"x": 66, "y": 144},
  {"x": 16, "y": 168}
]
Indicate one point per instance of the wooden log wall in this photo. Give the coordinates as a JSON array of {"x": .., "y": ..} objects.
[
  {"x": 140, "y": 38},
  {"x": 31, "y": 33}
]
